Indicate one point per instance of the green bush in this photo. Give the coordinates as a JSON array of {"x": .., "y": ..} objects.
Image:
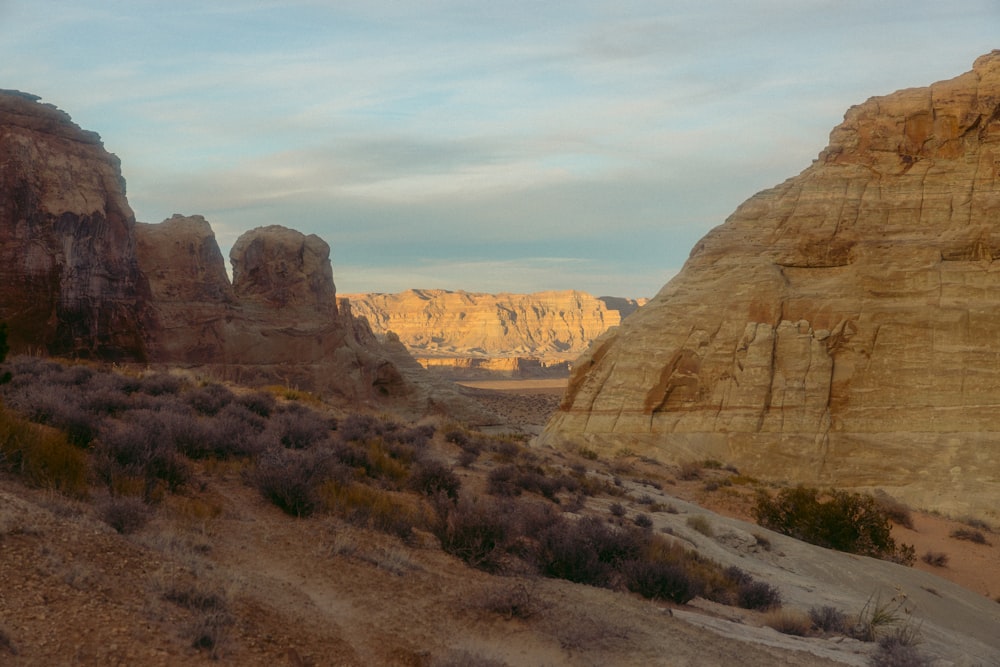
[{"x": 850, "y": 522}]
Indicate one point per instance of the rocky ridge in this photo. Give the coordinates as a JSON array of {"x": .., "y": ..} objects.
[
  {"x": 69, "y": 282},
  {"x": 80, "y": 278},
  {"x": 518, "y": 334},
  {"x": 839, "y": 328}
]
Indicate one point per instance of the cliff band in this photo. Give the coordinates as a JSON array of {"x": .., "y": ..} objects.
[{"x": 842, "y": 328}]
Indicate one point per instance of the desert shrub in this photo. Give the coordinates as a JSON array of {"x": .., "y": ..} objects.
[
  {"x": 689, "y": 471},
  {"x": 107, "y": 401},
  {"x": 160, "y": 384},
  {"x": 969, "y": 535},
  {"x": 850, "y": 522},
  {"x": 700, "y": 523},
  {"x": 788, "y": 622},
  {"x": 829, "y": 620},
  {"x": 758, "y": 595},
  {"x": 587, "y": 551},
  {"x": 291, "y": 480},
  {"x": 209, "y": 629},
  {"x": 481, "y": 532},
  {"x": 505, "y": 451},
  {"x": 414, "y": 438},
  {"x": 210, "y": 399},
  {"x": 42, "y": 456},
  {"x": 935, "y": 558},
  {"x": 878, "y": 615},
  {"x": 299, "y": 428},
  {"x": 433, "y": 477},
  {"x": 233, "y": 431},
  {"x": 660, "y": 580},
  {"x": 512, "y": 480},
  {"x": 643, "y": 520},
  {"x": 126, "y": 514},
  {"x": 457, "y": 437},
  {"x": 466, "y": 458},
  {"x": 617, "y": 510},
  {"x": 511, "y": 598},
  {"x": 261, "y": 403},
  {"x": 363, "y": 505},
  {"x": 358, "y": 428},
  {"x": 139, "y": 446},
  {"x": 897, "y": 511},
  {"x": 899, "y": 649}
]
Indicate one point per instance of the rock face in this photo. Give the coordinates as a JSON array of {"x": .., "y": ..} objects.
[
  {"x": 841, "y": 328},
  {"x": 440, "y": 323},
  {"x": 79, "y": 277},
  {"x": 69, "y": 282}
]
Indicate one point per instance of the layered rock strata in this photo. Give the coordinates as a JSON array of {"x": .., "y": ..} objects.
[
  {"x": 79, "y": 277},
  {"x": 69, "y": 282},
  {"x": 841, "y": 328},
  {"x": 441, "y": 323}
]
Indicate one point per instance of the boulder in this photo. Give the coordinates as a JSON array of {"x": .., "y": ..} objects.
[{"x": 841, "y": 328}]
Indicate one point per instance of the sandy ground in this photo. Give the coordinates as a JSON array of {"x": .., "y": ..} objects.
[{"x": 318, "y": 591}]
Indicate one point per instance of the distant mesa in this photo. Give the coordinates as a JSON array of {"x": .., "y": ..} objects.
[
  {"x": 469, "y": 334},
  {"x": 841, "y": 328}
]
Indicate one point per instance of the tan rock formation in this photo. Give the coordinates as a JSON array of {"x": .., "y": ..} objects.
[
  {"x": 69, "y": 282},
  {"x": 840, "y": 328},
  {"x": 442, "y": 323}
]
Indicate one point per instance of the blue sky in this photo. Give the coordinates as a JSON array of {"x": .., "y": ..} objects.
[{"x": 485, "y": 146}]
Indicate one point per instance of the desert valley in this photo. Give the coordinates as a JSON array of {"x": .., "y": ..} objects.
[{"x": 788, "y": 456}]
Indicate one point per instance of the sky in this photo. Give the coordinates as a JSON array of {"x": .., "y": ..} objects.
[{"x": 512, "y": 146}]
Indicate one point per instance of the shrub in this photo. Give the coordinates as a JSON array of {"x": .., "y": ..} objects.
[
  {"x": 617, "y": 510},
  {"x": 839, "y": 520},
  {"x": 788, "y": 622},
  {"x": 159, "y": 384},
  {"x": 291, "y": 480},
  {"x": 935, "y": 558},
  {"x": 140, "y": 446},
  {"x": 689, "y": 471},
  {"x": 366, "y": 506},
  {"x": 829, "y": 620},
  {"x": 897, "y": 512},
  {"x": 458, "y": 437},
  {"x": 126, "y": 514},
  {"x": 511, "y": 599},
  {"x": 358, "y": 428},
  {"x": 261, "y": 403},
  {"x": 43, "y": 457},
  {"x": 480, "y": 533},
  {"x": 758, "y": 595},
  {"x": 643, "y": 520},
  {"x": 587, "y": 551},
  {"x": 210, "y": 399},
  {"x": 974, "y": 536},
  {"x": 299, "y": 428},
  {"x": 659, "y": 580},
  {"x": 433, "y": 477},
  {"x": 700, "y": 523},
  {"x": 899, "y": 649}
]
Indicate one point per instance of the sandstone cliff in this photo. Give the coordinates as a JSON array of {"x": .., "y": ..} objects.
[
  {"x": 69, "y": 283},
  {"x": 840, "y": 328},
  {"x": 552, "y": 326},
  {"x": 79, "y": 278}
]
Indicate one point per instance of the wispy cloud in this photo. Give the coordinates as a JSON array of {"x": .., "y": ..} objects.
[{"x": 414, "y": 135}]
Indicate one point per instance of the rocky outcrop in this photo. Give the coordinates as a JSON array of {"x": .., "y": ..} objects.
[
  {"x": 69, "y": 281},
  {"x": 79, "y": 278},
  {"x": 440, "y": 323},
  {"x": 840, "y": 328}
]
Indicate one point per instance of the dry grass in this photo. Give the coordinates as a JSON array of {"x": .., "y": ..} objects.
[{"x": 789, "y": 622}]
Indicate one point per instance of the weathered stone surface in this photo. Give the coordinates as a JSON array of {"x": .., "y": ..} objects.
[
  {"x": 69, "y": 282},
  {"x": 441, "y": 323},
  {"x": 841, "y": 328}
]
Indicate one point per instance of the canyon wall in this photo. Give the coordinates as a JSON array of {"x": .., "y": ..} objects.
[
  {"x": 69, "y": 282},
  {"x": 841, "y": 328},
  {"x": 80, "y": 278},
  {"x": 519, "y": 333}
]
